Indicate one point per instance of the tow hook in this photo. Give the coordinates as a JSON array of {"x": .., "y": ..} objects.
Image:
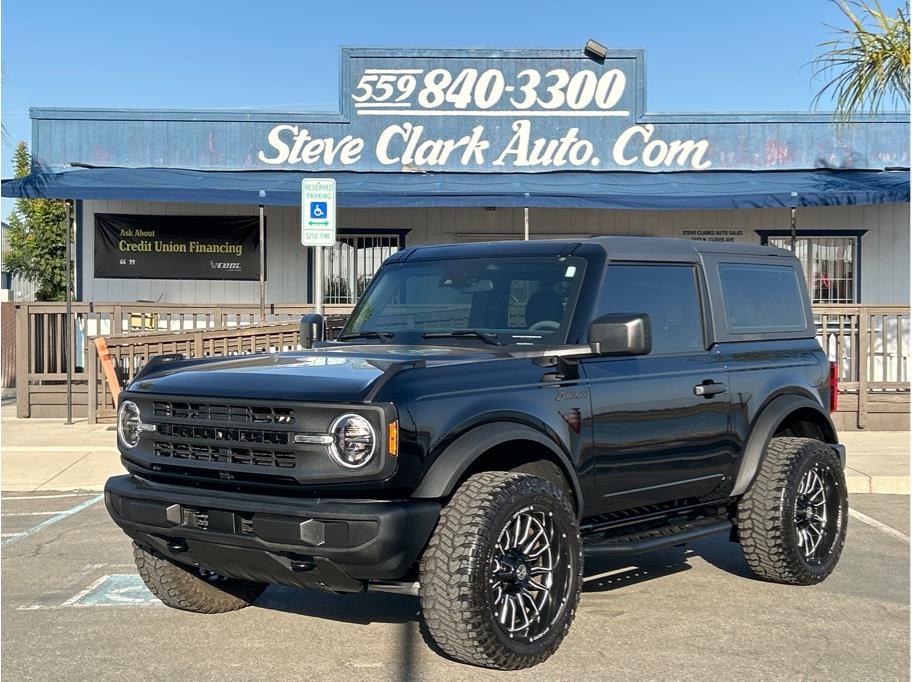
[{"x": 177, "y": 546}]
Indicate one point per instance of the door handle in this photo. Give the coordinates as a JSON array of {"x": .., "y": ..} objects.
[{"x": 709, "y": 388}]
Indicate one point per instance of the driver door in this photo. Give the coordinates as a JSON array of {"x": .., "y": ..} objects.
[{"x": 655, "y": 438}]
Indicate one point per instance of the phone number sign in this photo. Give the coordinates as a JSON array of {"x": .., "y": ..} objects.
[{"x": 475, "y": 110}]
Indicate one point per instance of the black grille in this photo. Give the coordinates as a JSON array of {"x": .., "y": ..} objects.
[
  {"x": 224, "y": 433},
  {"x": 225, "y": 454},
  {"x": 220, "y": 412}
]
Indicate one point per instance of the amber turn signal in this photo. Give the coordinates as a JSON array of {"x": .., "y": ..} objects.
[{"x": 392, "y": 445}]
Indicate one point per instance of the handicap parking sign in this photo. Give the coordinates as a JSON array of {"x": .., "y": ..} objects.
[{"x": 318, "y": 211}]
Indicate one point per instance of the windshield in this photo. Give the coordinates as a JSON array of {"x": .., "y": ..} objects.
[{"x": 514, "y": 301}]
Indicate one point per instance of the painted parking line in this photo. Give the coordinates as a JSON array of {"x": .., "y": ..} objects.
[
  {"x": 126, "y": 589},
  {"x": 47, "y": 513},
  {"x": 51, "y": 521},
  {"x": 882, "y": 527},
  {"x": 43, "y": 497}
]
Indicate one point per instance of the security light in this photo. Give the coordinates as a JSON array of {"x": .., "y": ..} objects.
[{"x": 595, "y": 49}]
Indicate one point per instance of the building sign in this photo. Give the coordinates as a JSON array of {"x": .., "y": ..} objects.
[
  {"x": 480, "y": 111},
  {"x": 714, "y": 235},
  {"x": 177, "y": 247},
  {"x": 468, "y": 110}
]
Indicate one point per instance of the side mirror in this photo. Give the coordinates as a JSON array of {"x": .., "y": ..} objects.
[
  {"x": 620, "y": 334},
  {"x": 312, "y": 329}
]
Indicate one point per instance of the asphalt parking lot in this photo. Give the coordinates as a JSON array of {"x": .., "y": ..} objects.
[{"x": 73, "y": 608}]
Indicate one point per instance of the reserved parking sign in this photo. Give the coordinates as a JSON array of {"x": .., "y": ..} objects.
[{"x": 318, "y": 212}]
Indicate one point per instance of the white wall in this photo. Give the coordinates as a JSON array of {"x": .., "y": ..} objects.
[{"x": 885, "y": 246}]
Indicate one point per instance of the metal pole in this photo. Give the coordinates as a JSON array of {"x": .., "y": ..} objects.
[
  {"x": 526, "y": 222},
  {"x": 318, "y": 280},
  {"x": 69, "y": 311},
  {"x": 794, "y": 229},
  {"x": 262, "y": 266}
]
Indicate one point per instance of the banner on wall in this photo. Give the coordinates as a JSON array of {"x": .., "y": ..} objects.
[{"x": 177, "y": 247}]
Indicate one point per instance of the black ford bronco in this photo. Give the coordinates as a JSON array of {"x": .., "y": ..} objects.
[{"x": 490, "y": 415}]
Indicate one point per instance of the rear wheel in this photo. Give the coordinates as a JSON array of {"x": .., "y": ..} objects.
[
  {"x": 792, "y": 520},
  {"x": 183, "y": 587},
  {"x": 501, "y": 577}
]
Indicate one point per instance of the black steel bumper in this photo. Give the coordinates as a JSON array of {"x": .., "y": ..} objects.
[{"x": 333, "y": 544}]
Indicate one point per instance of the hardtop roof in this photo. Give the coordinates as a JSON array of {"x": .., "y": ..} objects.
[{"x": 616, "y": 248}]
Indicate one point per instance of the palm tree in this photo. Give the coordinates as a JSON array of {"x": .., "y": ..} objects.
[{"x": 867, "y": 63}]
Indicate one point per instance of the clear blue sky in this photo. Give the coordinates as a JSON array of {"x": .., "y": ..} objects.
[{"x": 701, "y": 55}]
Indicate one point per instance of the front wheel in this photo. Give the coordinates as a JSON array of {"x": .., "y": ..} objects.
[
  {"x": 501, "y": 576},
  {"x": 792, "y": 520}
]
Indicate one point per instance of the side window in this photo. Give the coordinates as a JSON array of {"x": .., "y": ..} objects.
[
  {"x": 667, "y": 293},
  {"x": 761, "y": 298}
]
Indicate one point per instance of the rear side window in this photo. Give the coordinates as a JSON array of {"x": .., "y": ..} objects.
[
  {"x": 761, "y": 298},
  {"x": 667, "y": 293}
]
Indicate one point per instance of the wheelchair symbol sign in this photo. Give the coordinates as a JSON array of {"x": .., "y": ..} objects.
[{"x": 318, "y": 212}]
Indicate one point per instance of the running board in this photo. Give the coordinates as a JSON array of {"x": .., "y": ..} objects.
[{"x": 663, "y": 538}]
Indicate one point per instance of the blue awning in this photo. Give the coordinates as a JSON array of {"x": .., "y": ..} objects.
[{"x": 570, "y": 189}]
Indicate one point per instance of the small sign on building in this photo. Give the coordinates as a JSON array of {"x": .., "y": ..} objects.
[{"x": 318, "y": 212}]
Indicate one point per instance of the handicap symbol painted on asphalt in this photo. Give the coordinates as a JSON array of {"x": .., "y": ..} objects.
[
  {"x": 318, "y": 209},
  {"x": 114, "y": 590}
]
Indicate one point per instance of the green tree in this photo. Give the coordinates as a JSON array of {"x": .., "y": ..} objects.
[
  {"x": 867, "y": 63},
  {"x": 37, "y": 238}
]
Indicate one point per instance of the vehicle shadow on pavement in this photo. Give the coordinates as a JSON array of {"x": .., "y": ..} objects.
[
  {"x": 606, "y": 574},
  {"x": 361, "y": 608},
  {"x": 600, "y": 574}
]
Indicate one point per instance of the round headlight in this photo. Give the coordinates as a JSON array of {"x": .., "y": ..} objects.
[
  {"x": 354, "y": 441},
  {"x": 129, "y": 423}
]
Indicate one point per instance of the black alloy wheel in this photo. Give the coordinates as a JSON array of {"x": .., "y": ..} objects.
[
  {"x": 501, "y": 577},
  {"x": 792, "y": 520},
  {"x": 530, "y": 574}
]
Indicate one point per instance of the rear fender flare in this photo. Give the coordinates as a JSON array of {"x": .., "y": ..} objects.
[{"x": 765, "y": 425}]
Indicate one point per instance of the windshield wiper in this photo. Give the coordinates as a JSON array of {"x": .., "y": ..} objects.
[
  {"x": 383, "y": 336},
  {"x": 457, "y": 333}
]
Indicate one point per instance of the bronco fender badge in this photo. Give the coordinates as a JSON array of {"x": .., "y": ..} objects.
[{"x": 570, "y": 394}]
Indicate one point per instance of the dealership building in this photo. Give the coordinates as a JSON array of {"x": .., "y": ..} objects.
[{"x": 436, "y": 146}]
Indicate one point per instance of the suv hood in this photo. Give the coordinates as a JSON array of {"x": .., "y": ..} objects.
[{"x": 329, "y": 374}]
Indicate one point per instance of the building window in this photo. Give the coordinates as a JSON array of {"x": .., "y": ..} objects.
[
  {"x": 830, "y": 263},
  {"x": 352, "y": 262}
]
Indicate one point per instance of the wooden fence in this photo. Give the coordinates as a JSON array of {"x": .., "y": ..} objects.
[
  {"x": 870, "y": 344},
  {"x": 131, "y": 352},
  {"x": 41, "y": 341}
]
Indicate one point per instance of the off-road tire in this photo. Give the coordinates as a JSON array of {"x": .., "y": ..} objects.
[
  {"x": 182, "y": 587},
  {"x": 766, "y": 513},
  {"x": 454, "y": 570}
]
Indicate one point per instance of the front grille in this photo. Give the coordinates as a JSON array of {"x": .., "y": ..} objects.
[
  {"x": 220, "y": 412},
  {"x": 224, "y": 433},
  {"x": 225, "y": 454}
]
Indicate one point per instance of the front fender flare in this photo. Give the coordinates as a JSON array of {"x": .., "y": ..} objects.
[
  {"x": 449, "y": 467},
  {"x": 763, "y": 429}
]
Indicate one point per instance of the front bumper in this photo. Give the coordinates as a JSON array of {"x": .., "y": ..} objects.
[{"x": 334, "y": 544}]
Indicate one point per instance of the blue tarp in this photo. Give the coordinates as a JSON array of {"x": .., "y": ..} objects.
[{"x": 570, "y": 189}]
